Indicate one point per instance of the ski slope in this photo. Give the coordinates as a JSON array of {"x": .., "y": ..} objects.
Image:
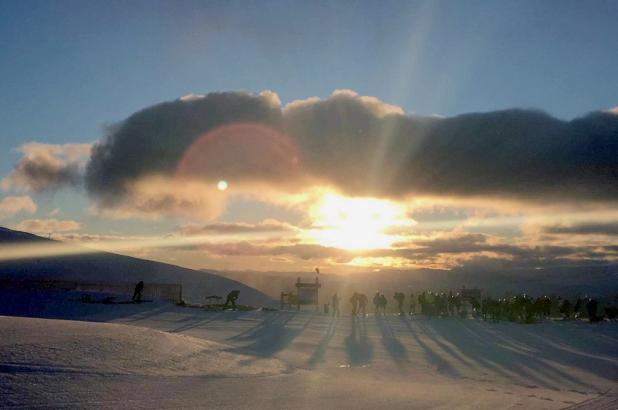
[{"x": 163, "y": 356}]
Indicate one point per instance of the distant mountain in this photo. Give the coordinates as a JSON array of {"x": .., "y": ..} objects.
[
  {"x": 106, "y": 266},
  {"x": 598, "y": 281}
]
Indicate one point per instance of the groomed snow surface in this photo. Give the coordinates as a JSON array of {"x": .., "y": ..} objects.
[{"x": 156, "y": 355}]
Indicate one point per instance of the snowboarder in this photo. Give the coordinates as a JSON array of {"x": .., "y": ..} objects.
[
  {"x": 232, "y": 297},
  {"x": 137, "y": 293}
]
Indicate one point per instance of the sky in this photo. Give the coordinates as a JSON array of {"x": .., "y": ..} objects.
[{"x": 288, "y": 135}]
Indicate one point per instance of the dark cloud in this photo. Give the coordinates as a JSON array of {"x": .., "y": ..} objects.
[
  {"x": 610, "y": 228},
  {"x": 267, "y": 226},
  {"x": 445, "y": 251},
  {"x": 153, "y": 141},
  {"x": 364, "y": 146},
  {"x": 301, "y": 251}
]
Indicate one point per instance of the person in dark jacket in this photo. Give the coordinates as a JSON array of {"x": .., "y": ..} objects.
[
  {"x": 232, "y": 297},
  {"x": 137, "y": 293}
]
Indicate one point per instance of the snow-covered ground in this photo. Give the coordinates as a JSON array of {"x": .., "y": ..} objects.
[{"x": 162, "y": 356}]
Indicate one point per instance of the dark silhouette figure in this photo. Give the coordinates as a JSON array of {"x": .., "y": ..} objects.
[
  {"x": 232, "y": 297},
  {"x": 362, "y": 303},
  {"x": 354, "y": 302},
  {"x": 376, "y": 303},
  {"x": 399, "y": 297},
  {"x": 611, "y": 312},
  {"x": 335, "y": 303},
  {"x": 383, "y": 302},
  {"x": 566, "y": 309},
  {"x": 422, "y": 300},
  {"x": 591, "y": 308},
  {"x": 137, "y": 293},
  {"x": 578, "y": 306},
  {"x": 412, "y": 305}
]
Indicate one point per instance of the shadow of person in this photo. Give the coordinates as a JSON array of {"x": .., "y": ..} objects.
[
  {"x": 433, "y": 357},
  {"x": 393, "y": 346},
  {"x": 320, "y": 350},
  {"x": 357, "y": 345},
  {"x": 271, "y": 335}
]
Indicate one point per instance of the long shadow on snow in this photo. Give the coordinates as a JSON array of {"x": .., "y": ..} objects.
[
  {"x": 558, "y": 343},
  {"x": 320, "y": 350},
  {"x": 271, "y": 335},
  {"x": 519, "y": 360},
  {"x": 393, "y": 346},
  {"x": 441, "y": 365},
  {"x": 358, "y": 346}
]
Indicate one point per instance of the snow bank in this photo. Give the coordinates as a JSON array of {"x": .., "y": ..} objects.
[{"x": 52, "y": 346}]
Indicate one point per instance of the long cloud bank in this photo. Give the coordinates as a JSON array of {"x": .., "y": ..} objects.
[{"x": 360, "y": 145}]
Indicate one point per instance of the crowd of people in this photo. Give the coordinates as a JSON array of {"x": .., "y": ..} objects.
[{"x": 521, "y": 308}]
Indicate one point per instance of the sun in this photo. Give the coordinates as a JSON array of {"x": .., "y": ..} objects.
[{"x": 356, "y": 223}]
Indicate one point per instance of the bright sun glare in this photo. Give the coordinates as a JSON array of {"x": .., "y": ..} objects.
[{"x": 356, "y": 223}]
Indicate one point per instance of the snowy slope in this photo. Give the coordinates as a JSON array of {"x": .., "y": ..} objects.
[
  {"x": 104, "y": 266},
  {"x": 164, "y": 356},
  {"x": 113, "y": 349}
]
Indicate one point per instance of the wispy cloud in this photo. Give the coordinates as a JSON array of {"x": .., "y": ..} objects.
[
  {"x": 12, "y": 205},
  {"x": 46, "y": 226},
  {"x": 46, "y": 167}
]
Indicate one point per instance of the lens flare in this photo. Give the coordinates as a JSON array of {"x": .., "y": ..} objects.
[
  {"x": 242, "y": 152},
  {"x": 222, "y": 185}
]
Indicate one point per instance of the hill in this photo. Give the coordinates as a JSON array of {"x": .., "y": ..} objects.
[{"x": 110, "y": 267}]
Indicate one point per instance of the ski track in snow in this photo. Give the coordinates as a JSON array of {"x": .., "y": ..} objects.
[{"x": 167, "y": 357}]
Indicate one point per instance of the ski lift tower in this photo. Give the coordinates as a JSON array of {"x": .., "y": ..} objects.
[{"x": 307, "y": 293}]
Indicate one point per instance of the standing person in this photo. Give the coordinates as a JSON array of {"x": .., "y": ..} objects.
[
  {"x": 354, "y": 302},
  {"x": 335, "y": 303},
  {"x": 591, "y": 308},
  {"x": 577, "y": 309},
  {"x": 137, "y": 293},
  {"x": 383, "y": 302},
  {"x": 423, "y": 302},
  {"x": 412, "y": 305},
  {"x": 376, "y": 303},
  {"x": 362, "y": 302},
  {"x": 566, "y": 309},
  {"x": 399, "y": 297}
]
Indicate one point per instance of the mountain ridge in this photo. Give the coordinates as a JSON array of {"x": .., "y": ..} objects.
[{"x": 108, "y": 266}]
